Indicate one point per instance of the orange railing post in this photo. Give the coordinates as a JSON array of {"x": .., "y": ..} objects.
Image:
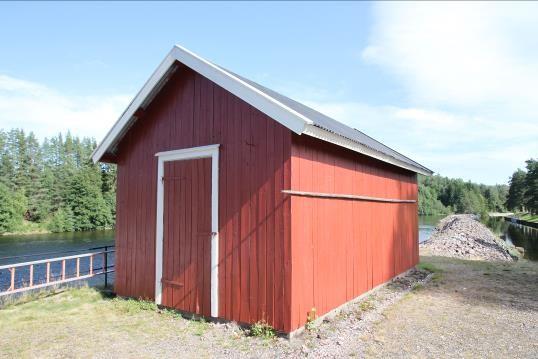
[{"x": 31, "y": 275}]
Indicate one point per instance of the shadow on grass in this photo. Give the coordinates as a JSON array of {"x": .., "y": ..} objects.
[{"x": 503, "y": 284}]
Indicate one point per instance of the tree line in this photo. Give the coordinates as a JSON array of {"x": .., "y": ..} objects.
[
  {"x": 439, "y": 195},
  {"x": 442, "y": 195},
  {"x": 53, "y": 185},
  {"x": 523, "y": 191}
]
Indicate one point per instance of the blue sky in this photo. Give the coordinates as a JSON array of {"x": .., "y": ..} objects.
[{"x": 451, "y": 85}]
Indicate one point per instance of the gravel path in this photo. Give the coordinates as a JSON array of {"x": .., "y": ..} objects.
[
  {"x": 470, "y": 309},
  {"x": 477, "y": 309}
]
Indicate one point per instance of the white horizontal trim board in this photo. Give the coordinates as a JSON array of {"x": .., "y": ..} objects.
[
  {"x": 267, "y": 104},
  {"x": 346, "y": 196},
  {"x": 211, "y": 151}
]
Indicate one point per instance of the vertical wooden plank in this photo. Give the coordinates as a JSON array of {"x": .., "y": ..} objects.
[
  {"x": 261, "y": 216},
  {"x": 253, "y": 148},
  {"x": 245, "y": 213},
  {"x": 121, "y": 231},
  {"x": 207, "y": 244},
  {"x": 287, "y": 227},
  {"x": 235, "y": 192},
  {"x": 226, "y": 201},
  {"x": 279, "y": 230},
  {"x": 137, "y": 223},
  {"x": 297, "y": 227},
  {"x": 272, "y": 238},
  {"x": 167, "y": 296}
]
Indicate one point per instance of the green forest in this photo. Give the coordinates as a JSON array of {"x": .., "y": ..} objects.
[
  {"x": 523, "y": 193},
  {"x": 442, "y": 195},
  {"x": 439, "y": 195},
  {"x": 53, "y": 185}
]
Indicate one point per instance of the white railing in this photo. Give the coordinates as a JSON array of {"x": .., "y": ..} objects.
[{"x": 82, "y": 271}]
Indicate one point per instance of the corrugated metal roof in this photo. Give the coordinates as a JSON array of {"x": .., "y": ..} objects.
[
  {"x": 325, "y": 122},
  {"x": 297, "y": 117}
]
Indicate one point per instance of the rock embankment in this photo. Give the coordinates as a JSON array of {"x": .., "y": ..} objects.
[{"x": 463, "y": 236}]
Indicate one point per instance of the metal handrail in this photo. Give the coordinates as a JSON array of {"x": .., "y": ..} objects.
[
  {"x": 55, "y": 252},
  {"x": 57, "y": 259},
  {"x": 51, "y": 279}
]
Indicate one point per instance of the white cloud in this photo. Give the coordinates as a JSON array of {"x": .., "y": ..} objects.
[
  {"x": 460, "y": 53},
  {"x": 46, "y": 112},
  {"x": 470, "y": 72},
  {"x": 453, "y": 145}
]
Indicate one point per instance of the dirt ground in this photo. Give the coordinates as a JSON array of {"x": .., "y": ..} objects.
[
  {"x": 476, "y": 309},
  {"x": 466, "y": 309}
]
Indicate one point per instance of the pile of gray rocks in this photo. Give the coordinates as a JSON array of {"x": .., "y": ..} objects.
[{"x": 463, "y": 236}]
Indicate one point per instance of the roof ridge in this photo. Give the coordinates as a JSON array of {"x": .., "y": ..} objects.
[{"x": 292, "y": 114}]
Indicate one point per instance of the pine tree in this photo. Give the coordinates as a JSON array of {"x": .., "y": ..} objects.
[
  {"x": 85, "y": 199},
  {"x": 515, "y": 198},
  {"x": 12, "y": 208},
  {"x": 37, "y": 206},
  {"x": 54, "y": 183},
  {"x": 531, "y": 186}
]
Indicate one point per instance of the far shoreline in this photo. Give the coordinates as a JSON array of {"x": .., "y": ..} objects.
[{"x": 46, "y": 231}]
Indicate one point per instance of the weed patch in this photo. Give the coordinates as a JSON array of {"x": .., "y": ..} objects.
[
  {"x": 366, "y": 305},
  {"x": 429, "y": 267},
  {"x": 200, "y": 326},
  {"x": 262, "y": 330},
  {"x": 132, "y": 306},
  {"x": 310, "y": 319}
]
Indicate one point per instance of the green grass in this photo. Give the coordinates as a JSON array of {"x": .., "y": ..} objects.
[
  {"x": 27, "y": 227},
  {"x": 430, "y": 267},
  {"x": 73, "y": 320},
  {"x": 262, "y": 330}
]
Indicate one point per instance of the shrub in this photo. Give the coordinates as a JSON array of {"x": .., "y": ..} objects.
[{"x": 263, "y": 330}]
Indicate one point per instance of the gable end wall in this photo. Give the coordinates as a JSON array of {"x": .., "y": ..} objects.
[{"x": 254, "y": 215}]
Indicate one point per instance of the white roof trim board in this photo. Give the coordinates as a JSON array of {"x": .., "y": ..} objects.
[{"x": 293, "y": 115}]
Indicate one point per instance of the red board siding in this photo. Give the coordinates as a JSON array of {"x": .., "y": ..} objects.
[
  {"x": 343, "y": 248},
  {"x": 187, "y": 236},
  {"x": 280, "y": 255},
  {"x": 254, "y": 215}
]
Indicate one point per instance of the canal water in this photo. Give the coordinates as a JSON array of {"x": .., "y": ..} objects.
[
  {"x": 513, "y": 233},
  {"x": 31, "y": 247},
  {"x": 14, "y": 246}
]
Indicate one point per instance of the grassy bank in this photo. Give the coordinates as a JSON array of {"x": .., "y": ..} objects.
[
  {"x": 527, "y": 217},
  {"x": 27, "y": 227},
  {"x": 452, "y": 315}
]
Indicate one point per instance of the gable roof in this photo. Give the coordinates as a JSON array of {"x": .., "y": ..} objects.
[{"x": 295, "y": 116}]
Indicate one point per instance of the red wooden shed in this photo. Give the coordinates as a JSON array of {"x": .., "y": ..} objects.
[{"x": 236, "y": 202}]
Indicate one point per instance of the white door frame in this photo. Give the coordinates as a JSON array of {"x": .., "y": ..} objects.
[{"x": 211, "y": 151}]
